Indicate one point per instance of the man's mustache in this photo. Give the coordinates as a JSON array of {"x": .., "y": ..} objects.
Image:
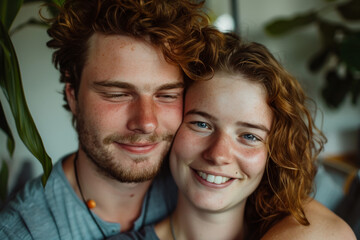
[{"x": 138, "y": 138}]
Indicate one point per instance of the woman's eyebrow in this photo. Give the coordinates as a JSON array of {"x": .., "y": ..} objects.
[
  {"x": 253, "y": 125},
  {"x": 201, "y": 113}
]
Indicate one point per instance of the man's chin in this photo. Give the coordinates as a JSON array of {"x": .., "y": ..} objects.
[
  {"x": 141, "y": 172},
  {"x": 135, "y": 177}
]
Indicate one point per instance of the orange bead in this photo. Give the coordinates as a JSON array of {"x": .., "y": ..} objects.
[{"x": 91, "y": 203}]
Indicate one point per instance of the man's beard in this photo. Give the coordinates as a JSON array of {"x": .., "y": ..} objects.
[{"x": 98, "y": 152}]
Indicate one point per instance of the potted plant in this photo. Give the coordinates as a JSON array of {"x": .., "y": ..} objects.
[
  {"x": 11, "y": 85},
  {"x": 340, "y": 39}
]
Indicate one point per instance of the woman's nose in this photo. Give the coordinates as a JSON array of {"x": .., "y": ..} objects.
[{"x": 219, "y": 151}]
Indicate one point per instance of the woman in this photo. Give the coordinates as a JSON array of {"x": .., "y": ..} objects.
[{"x": 244, "y": 156}]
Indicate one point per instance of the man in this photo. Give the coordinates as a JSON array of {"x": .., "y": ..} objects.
[{"x": 123, "y": 64}]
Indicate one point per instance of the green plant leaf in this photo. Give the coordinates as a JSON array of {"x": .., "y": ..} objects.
[
  {"x": 58, "y": 2},
  {"x": 336, "y": 88},
  {"x": 350, "y": 10},
  {"x": 8, "y": 11},
  {"x": 6, "y": 129},
  {"x": 4, "y": 176},
  {"x": 12, "y": 87},
  {"x": 284, "y": 25},
  {"x": 318, "y": 60},
  {"x": 329, "y": 30},
  {"x": 350, "y": 50}
]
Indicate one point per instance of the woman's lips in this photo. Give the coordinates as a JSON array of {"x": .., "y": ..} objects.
[
  {"x": 210, "y": 180},
  {"x": 217, "y": 179}
]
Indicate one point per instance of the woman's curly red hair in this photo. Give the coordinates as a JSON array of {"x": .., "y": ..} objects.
[
  {"x": 294, "y": 141},
  {"x": 178, "y": 27}
]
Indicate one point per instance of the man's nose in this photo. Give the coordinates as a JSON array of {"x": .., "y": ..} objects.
[
  {"x": 219, "y": 151},
  {"x": 142, "y": 116}
]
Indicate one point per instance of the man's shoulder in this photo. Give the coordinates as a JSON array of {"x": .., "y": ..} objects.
[
  {"x": 324, "y": 224},
  {"x": 22, "y": 205},
  {"x": 27, "y": 206},
  {"x": 25, "y": 198},
  {"x": 32, "y": 194}
]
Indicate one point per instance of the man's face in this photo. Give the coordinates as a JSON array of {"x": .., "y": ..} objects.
[{"x": 128, "y": 107}]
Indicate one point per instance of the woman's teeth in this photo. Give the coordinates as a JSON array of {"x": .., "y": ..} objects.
[{"x": 212, "y": 178}]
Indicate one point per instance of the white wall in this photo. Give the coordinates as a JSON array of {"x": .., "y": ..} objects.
[
  {"x": 341, "y": 126},
  {"x": 43, "y": 90}
]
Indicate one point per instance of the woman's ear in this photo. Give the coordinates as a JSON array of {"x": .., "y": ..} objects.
[{"x": 71, "y": 98}]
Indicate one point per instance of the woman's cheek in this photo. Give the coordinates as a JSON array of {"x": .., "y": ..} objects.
[
  {"x": 254, "y": 160},
  {"x": 186, "y": 145}
]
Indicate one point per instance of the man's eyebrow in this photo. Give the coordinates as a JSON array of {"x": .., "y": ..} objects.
[
  {"x": 126, "y": 85},
  {"x": 117, "y": 84},
  {"x": 252, "y": 125},
  {"x": 201, "y": 113},
  {"x": 169, "y": 86}
]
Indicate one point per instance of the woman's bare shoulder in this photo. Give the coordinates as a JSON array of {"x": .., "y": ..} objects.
[{"x": 324, "y": 224}]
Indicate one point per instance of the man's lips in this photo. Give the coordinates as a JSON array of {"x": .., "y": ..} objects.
[{"x": 138, "y": 148}]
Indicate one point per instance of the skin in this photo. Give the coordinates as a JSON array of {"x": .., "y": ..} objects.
[
  {"x": 128, "y": 108},
  {"x": 324, "y": 224},
  {"x": 224, "y": 140}
]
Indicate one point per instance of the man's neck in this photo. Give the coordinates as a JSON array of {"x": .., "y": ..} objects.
[{"x": 115, "y": 201}]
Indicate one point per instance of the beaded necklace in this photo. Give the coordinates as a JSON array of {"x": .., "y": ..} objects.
[{"x": 90, "y": 203}]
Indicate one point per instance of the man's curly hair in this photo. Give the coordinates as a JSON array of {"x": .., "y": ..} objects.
[
  {"x": 178, "y": 27},
  {"x": 294, "y": 141}
]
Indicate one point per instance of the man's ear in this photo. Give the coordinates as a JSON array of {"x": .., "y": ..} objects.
[{"x": 71, "y": 98}]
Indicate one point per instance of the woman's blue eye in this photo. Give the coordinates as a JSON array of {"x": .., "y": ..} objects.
[
  {"x": 202, "y": 125},
  {"x": 251, "y": 137},
  {"x": 199, "y": 126}
]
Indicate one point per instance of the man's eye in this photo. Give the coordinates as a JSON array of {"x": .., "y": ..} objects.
[
  {"x": 167, "y": 97},
  {"x": 117, "y": 96}
]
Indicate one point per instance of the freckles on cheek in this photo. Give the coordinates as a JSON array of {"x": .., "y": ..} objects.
[{"x": 255, "y": 160}]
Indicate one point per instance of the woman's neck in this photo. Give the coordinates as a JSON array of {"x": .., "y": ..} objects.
[{"x": 190, "y": 222}]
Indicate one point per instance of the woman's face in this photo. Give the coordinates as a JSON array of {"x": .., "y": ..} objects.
[{"x": 219, "y": 153}]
